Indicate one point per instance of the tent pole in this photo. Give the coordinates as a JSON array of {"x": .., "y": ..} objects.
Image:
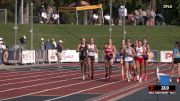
[
  {"x": 102, "y": 16},
  {"x": 77, "y": 22}
]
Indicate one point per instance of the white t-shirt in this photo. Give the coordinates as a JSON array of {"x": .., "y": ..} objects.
[
  {"x": 122, "y": 12},
  {"x": 55, "y": 16},
  {"x": 107, "y": 17},
  {"x": 95, "y": 16}
]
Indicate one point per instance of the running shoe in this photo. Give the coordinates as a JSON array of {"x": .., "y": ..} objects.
[
  {"x": 178, "y": 80},
  {"x": 137, "y": 77},
  {"x": 170, "y": 80},
  {"x": 129, "y": 80},
  {"x": 83, "y": 77},
  {"x": 140, "y": 79}
]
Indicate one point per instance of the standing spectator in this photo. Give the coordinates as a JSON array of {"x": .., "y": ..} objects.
[
  {"x": 137, "y": 17},
  {"x": 47, "y": 45},
  {"x": 1, "y": 41},
  {"x": 152, "y": 19},
  {"x": 59, "y": 51},
  {"x": 122, "y": 14},
  {"x": 54, "y": 43},
  {"x": 42, "y": 44},
  {"x": 3, "y": 45},
  {"x": 144, "y": 14},
  {"x": 22, "y": 41}
]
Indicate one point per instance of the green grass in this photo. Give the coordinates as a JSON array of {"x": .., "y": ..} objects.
[{"x": 160, "y": 37}]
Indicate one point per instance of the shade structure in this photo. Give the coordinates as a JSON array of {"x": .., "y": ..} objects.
[{"x": 82, "y": 8}]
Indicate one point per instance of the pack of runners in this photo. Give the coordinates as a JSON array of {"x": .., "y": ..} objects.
[{"x": 133, "y": 58}]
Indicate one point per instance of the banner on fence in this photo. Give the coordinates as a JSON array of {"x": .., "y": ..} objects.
[
  {"x": 40, "y": 55},
  {"x": 166, "y": 56},
  {"x": 70, "y": 56},
  {"x": 52, "y": 57},
  {"x": 153, "y": 56},
  {"x": 28, "y": 56},
  {"x": 73, "y": 56}
]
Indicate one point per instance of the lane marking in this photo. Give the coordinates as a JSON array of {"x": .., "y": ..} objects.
[
  {"x": 57, "y": 88},
  {"x": 43, "y": 83},
  {"x": 54, "y": 88},
  {"x": 87, "y": 89}
]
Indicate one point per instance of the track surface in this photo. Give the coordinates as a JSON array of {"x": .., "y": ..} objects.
[{"x": 64, "y": 84}]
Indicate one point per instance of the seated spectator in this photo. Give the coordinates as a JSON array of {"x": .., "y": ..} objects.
[
  {"x": 107, "y": 18},
  {"x": 55, "y": 17},
  {"x": 95, "y": 18}
]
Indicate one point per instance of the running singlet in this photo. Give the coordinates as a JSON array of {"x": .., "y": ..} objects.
[
  {"x": 109, "y": 52},
  {"x": 91, "y": 50},
  {"x": 176, "y": 53},
  {"x": 145, "y": 56},
  {"x": 139, "y": 51},
  {"x": 83, "y": 50},
  {"x": 128, "y": 55}
]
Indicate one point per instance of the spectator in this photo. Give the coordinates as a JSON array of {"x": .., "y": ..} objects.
[
  {"x": 54, "y": 43},
  {"x": 131, "y": 18},
  {"x": 144, "y": 14},
  {"x": 95, "y": 18},
  {"x": 59, "y": 51},
  {"x": 55, "y": 18},
  {"x": 152, "y": 19},
  {"x": 42, "y": 44},
  {"x": 137, "y": 17},
  {"x": 108, "y": 18},
  {"x": 22, "y": 41},
  {"x": 3, "y": 46},
  {"x": 122, "y": 14},
  {"x": 47, "y": 45},
  {"x": 1, "y": 41}
]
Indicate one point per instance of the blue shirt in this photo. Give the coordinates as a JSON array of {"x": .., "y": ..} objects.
[{"x": 176, "y": 53}]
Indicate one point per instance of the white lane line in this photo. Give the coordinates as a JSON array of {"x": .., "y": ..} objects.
[
  {"x": 46, "y": 83},
  {"x": 18, "y": 78},
  {"x": 37, "y": 79},
  {"x": 58, "y": 87},
  {"x": 131, "y": 92},
  {"x": 87, "y": 89},
  {"x": 30, "y": 72},
  {"x": 93, "y": 99},
  {"x": 127, "y": 88},
  {"x": 42, "y": 79},
  {"x": 43, "y": 65},
  {"x": 53, "y": 89}
]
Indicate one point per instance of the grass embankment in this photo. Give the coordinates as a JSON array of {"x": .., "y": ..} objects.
[{"x": 160, "y": 37}]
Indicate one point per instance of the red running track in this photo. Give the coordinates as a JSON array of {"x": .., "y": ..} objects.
[{"x": 69, "y": 82}]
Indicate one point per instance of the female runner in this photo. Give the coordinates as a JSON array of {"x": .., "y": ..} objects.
[
  {"x": 82, "y": 49},
  {"x": 176, "y": 60},
  {"x": 145, "y": 56},
  {"x": 109, "y": 52},
  {"x": 140, "y": 60},
  {"x": 91, "y": 50},
  {"x": 129, "y": 54}
]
